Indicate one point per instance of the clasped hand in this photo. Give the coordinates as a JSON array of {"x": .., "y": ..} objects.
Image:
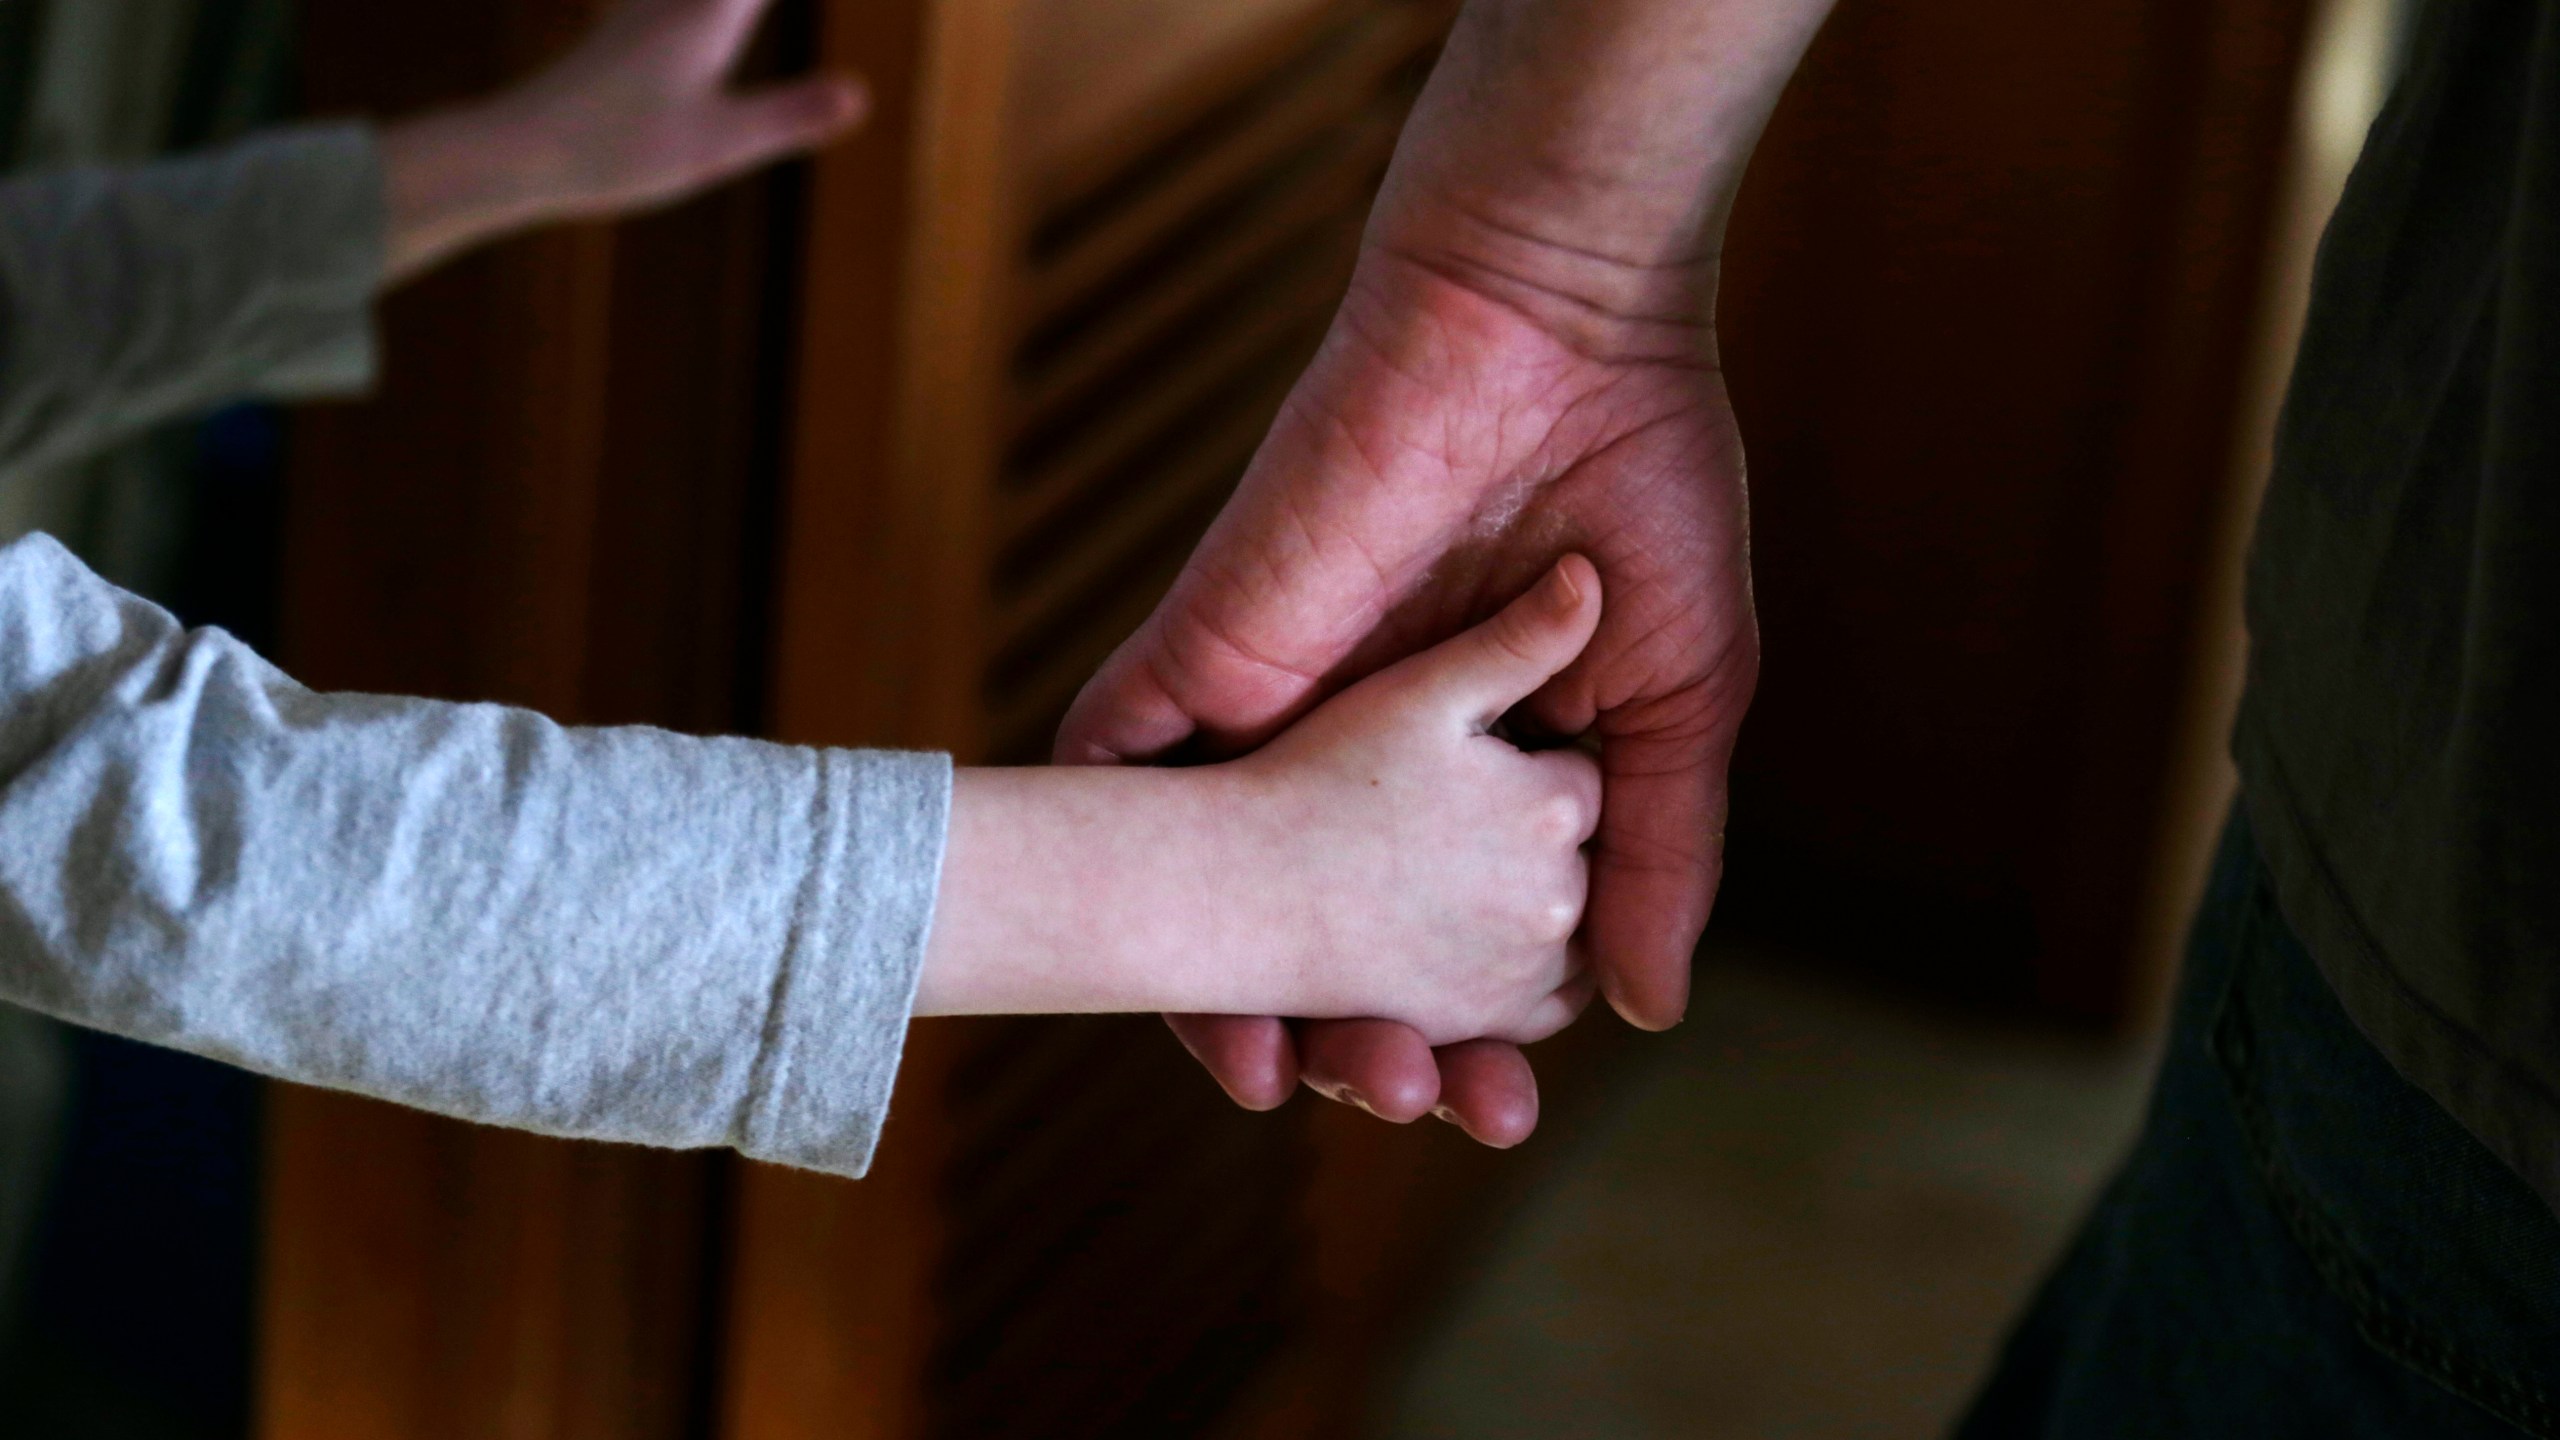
[{"x": 1386, "y": 858}]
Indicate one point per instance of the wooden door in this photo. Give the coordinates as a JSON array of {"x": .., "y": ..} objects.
[
  {"x": 1985, "y": 311},
  {"x": 892, "y": 450},
  {"x": 560, "y": 497},
  {"x": 1127, "y": 226}
]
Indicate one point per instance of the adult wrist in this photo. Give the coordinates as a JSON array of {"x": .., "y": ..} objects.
[
  {"x": 1588, "y": 151},
  {"x": 1604, "y": 306}
]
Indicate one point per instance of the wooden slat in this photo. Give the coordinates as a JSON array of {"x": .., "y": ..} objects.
[
  {"x": 1053, "y": 375},
  {"x": 1023, "y": 713},
  {"x": 1015, "y": 1068},
  {"x": 1340, "y": 88},
  {"x": 548, "y": 505},
  {"x": 1105, "y": 81},
  {"x": 1116, "y": 542},
  {"x": 1165, "y": 1270},
  {"x": 1302, "y": 296},
  {"x": 1079, "y": 626},
  {"x": 444, "y": 1279},
  {"x": 1132, "y": 1238},
  {"x": 1027, "y": 1222},
  {"x": 1014, "y": 1144}
]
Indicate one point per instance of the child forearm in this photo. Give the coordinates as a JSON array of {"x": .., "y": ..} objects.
[
  {"x": 1082, "y": 890},
  {"x": 1385, "y": 857}
]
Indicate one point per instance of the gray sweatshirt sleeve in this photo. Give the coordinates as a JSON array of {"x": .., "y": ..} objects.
[
  {"x": 617, "y": 933},
  {"x": 131, "y": 296}
]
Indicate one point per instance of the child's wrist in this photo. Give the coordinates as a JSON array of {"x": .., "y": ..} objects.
[
  {"x": 455, "y": 177},
  {"x": 1111, "y": 889},
  {"x": 1233, "y": 897}
]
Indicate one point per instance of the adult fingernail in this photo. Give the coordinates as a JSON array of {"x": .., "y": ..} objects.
[
  {"x": 1349, "y": 1096},
  {"x": 1443, "y": 1112}
]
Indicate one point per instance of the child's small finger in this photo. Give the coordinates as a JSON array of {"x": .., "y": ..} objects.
[{"x": 1487, "y": 670}]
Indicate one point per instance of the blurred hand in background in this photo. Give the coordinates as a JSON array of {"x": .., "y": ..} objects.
[{"x": 641, "y": 113}]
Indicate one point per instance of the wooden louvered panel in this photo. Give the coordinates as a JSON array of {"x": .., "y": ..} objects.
[
  {"x": 1014, "y": 1072},
  {"x": 1125, "y": 1246},
  {"x": 1192, "y": 1274},
  {"x": 1010, "y": 1170},
  {"x": 1216, "y": 442},
  {"x": 1105, "y": 1250},
  {"x": 1137, "y": 337},
  {"x": 1067, "y": 368},
  {"x": 1117, "y": 78},
  {"x": 1235, "y": 339},
  {"x": 1025, "y": 705},
  {"x": 1126, "y": 1260},
  {"x": 1069, "y": 1209},
  {"x": 1080, "y": 249}
]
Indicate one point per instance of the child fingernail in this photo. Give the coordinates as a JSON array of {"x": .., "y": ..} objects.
[{"x": 1562, "y": 593}]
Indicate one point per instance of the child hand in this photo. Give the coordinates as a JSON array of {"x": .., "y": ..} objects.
[
  {"x": 639, "y": 113},
  {"x": 1385, "y": 857},
  {"x": 1444, "y": 865}
]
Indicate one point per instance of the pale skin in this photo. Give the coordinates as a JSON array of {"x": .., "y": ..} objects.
[
  {"x": 1384, "y": 856},
  {"x": 641, "y": 113},
  {"x": 1526, "y": 364}
]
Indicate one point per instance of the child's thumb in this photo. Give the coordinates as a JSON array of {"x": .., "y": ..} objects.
[{"x": 1500, "y": 663}]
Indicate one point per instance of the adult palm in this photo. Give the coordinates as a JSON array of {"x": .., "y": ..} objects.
[{"x": 1456, "y": 433}]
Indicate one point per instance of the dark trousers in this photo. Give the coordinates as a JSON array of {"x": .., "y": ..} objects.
[{"x": 2301, "y": 1243}]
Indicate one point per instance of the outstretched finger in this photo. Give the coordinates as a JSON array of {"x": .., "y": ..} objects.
[
  {"x": 784, "y": 119},
  {"x": 731, "y": 22}
]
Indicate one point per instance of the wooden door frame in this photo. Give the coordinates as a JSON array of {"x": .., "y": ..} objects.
[{"x": 878, "y": 611}]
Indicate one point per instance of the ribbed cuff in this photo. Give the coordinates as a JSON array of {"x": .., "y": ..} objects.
[
  {"x": 847, "y": 985},
  {"x": 320, "y": 213}
]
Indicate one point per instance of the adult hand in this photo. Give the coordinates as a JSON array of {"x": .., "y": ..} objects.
[
  {"x": 639, "y": 114},
  {"x": 1525, "y": 365},
  {"x": 1442, "y": 450}
]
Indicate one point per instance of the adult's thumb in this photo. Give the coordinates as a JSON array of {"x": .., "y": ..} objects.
[
  {"x": 1487, "y": 670},
  {"x": 1123, "y": 713}
]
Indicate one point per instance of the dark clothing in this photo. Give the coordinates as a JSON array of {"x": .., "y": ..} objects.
[
  {"x": 2302, "y": 1243},
  {"x": 2400, "y": 740}
]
